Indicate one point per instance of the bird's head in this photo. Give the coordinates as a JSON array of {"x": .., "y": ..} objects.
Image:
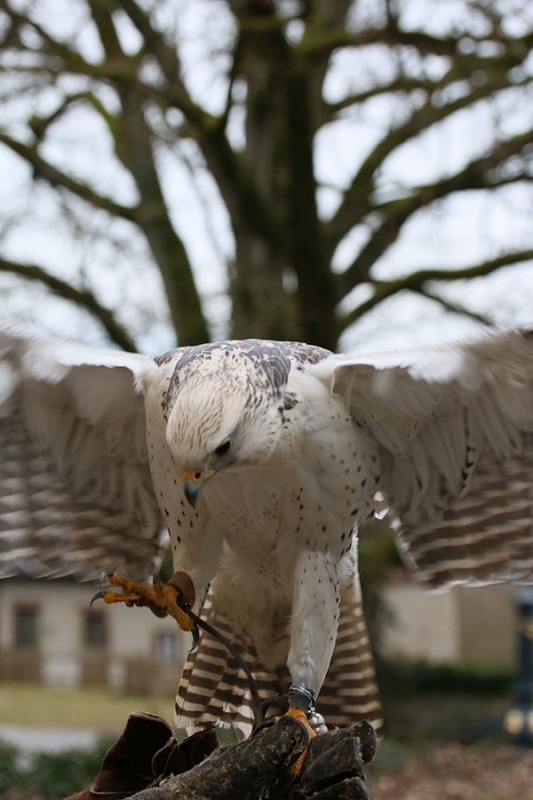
[{"x": 214, "y": 425}]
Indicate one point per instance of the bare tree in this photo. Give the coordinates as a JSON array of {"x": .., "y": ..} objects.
[{"x": 274, "y": 60}]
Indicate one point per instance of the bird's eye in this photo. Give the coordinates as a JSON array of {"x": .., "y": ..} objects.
[{"x": 223, "y": 448}]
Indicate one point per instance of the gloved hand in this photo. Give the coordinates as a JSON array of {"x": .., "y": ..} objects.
[
  {"x": 145, "y": 753},
  {"x": 260, "y": 767},
  {"x": 334, "y": 766},
  {"x": 244, "y": 771}
]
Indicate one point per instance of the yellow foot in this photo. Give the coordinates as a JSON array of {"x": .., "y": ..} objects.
[
  {"x": 297, "y": 713},
  {"x": 172, "y": 598}
]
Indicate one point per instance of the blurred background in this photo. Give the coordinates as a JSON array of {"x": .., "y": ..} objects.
[{"x": 352, "y": 173}]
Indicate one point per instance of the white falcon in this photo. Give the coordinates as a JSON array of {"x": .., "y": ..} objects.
[{"x": 262, "y": 458}]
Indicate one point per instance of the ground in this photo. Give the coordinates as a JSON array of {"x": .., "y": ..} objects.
[
  {"x": 453, "y": 771},
  {"x": 94, "y": 709},
  {"x": 450, "y": 746},
  {"x": 423, "y": 757}
]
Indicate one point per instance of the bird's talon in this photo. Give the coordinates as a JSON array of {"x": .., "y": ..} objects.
[
  {"x": 301, "y": 703},
  {"x": 173, "y": 598},
  {"x": 98, "y": 596},
  {"x": 195, "y": 636},
  {"x": 105, "y": 575}
]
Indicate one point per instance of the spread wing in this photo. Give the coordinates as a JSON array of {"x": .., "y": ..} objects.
[
  {"x": 446, "y": 421},
  {"x": 76, "y": 493},
  {"x": 484, "y": 537}
]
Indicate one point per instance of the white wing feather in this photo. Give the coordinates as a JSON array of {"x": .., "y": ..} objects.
[
  {"x": 435, "y": 413},
  {"x": 81, "y": 408}
]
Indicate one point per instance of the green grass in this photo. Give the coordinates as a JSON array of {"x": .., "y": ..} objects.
[
  {"x": 418, "y": 716},
  {"x": 418, "y": 724},
  {"x": 40, "y": 706}
]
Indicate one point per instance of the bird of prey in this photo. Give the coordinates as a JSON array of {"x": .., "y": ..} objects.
[{"x": 262, "y": 458}]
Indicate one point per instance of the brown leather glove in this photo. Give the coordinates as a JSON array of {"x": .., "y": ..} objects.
[
  {"x": 141, "y": 761},
  {"x": 260, "y": 767},
  {"x": 243, "y": 771},
  {"x": 145, "y": 754},
  {"x": 334, "y": 766}
]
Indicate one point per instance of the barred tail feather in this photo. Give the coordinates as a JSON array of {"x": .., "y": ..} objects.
[
  {"x": 214, "y": 689},
  {"x": 485, "y": 537},
  {"x": 350, "y": 691}
]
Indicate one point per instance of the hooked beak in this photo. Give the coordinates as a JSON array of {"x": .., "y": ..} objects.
[{"x": 193, "y": 480}]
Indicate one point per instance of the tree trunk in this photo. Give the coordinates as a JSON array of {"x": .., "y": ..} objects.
[
  {"x": 134, "y": 148},
  {"x": 316, "y": 295},
  {"x": 280, "y": 288}
]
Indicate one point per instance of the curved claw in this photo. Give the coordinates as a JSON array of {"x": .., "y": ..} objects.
[
  {"x": 266, "y": 723},
  {"x": 98, "y": 596},
  {"x": 156, "y": 581},
  {"x": 195, "y": 636},
  {"x": 105, "y": 574}
]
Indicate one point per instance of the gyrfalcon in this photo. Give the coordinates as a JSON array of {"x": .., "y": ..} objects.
[{"x": 262, "y": 458}]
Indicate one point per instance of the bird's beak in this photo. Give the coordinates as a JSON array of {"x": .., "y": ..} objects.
[{"x": 193, "y": 480}]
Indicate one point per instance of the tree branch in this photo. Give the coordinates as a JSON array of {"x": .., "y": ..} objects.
[
  {"x": 455, "y": 308},
  {"x": 208, "y": 132},
  {"x": 355, "y": 203},
  {"x": 401, "y": 83},
  {"x": 56, "y": 177},
  {"x": 322, "y": 41},
  {"x": 58, "y": 57},
  {"x": 326, "y": 40},
  {"x": 40, "y": 124},
  {"x": 53, "y": 46},
  {"x": 476, "y": 175},
  {"x": 417, "y": 280},
  {"x": 168, "y": 60},
  {"x": 134, "y": 144},
  {"x": 101, "y": 14},
  {"x": 134, "y": 147},
  {"x": 84, "y": 298}
]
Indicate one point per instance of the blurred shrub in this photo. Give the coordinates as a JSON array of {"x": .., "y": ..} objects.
[
  {"x": 10, "y": 774},
  {"x": 377, "y": 554},
  {"x": 456, "y": 678},
  {"x": 399, "y": 677},
  {"x": 51, "y": 776}
]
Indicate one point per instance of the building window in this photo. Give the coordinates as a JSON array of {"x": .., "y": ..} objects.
[
  {"x": 26, "y": 627},
  {"x": 95, "y": 631},
  {"x": 167, "y": 646}
]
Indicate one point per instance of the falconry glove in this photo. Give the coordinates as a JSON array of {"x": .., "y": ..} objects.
[{"x": 260, "y": 767}]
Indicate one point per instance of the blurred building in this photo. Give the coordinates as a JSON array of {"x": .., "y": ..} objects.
[
  {"x": 49, "y": 634},
  {"x": 468, "y": 626}
]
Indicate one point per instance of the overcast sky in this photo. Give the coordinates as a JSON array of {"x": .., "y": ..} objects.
[{"x": 39, "y": 227}]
